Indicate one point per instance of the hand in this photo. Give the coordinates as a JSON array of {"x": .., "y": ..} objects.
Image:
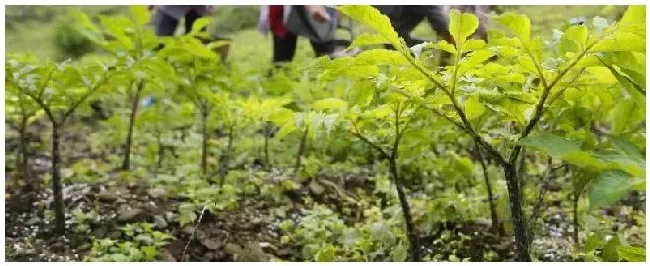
[{"x": 318, "y": 13}]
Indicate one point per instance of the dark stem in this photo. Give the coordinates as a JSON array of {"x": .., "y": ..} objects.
[
  {"x": 301, "y": 148},
  {"x": 576, "y": 222},
  {"x": 226, "y": 158},
  {"x": 126, "y": 164},
  {"x": 406, "y": 211},
  {"x": 31, "y": 183},
  {"x": 521, "y": 173},
  {"x": 488, "y": 185},
  {"x": 517, "y": 213},
  {"x": 161, "y": 152},
  {"x": 267, "y": 132},
  {"x": 57, "y": 186}
]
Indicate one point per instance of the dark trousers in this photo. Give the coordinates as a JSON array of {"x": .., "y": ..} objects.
[
  {"x": 285, "y": 48},
  {"x": 166, "y": 24},
  {"x": 405, "y": 18}
]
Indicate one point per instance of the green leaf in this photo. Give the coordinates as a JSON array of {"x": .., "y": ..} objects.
[
  {"x": 371, "y": 17},
  {"x": 593, "y": 241},
  {"x": 631, "y": 254},
  {"x": 199, "y": 24},
  {"x": 551, "y": 144},
  {"x": 518, "y": 24},
  {"x": 621, "y": 41},
  {"x": 608, "y": 187},
  {"x": 473, "y": 107},
  {"x": 380, "y": 112},
  {"x": 286, "y": 129},
  {"x": 461, "y": 26},
  {"x": 578, "y": 34},
  {"x": 447, "y": 47},
  {"x": 610, "y": 250},
  {"x": 472, "y": 44},
  {"x": 144, "y": 239},
  {"x": 140, "y": 14},
  {"x": 634, "y": 20},
  {"x": 329, "y": 103},
  {"x": 583, "y": 159},
  {"x": 327, "y": 254},
  {"x": 399, "y": 254},
  {"x": 366, "y": 39},
  {"x": 626, "y": 147}
]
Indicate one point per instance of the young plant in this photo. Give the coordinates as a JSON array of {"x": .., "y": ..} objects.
[
  {"x": 201, "y": 76},
  {"x": 20, "y": 113},
  {"x": 59, "y": 90},
  {"x": 375, "y": 115}
]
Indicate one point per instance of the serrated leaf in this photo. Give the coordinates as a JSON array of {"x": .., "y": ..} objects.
[
  {"x": 371, "y": 17},
  {"x": 608, "y": 187},
  {"x": 518, "y": 24},
  {"x": 445, "y": 46},
  {"x": 461, "y": 26}
]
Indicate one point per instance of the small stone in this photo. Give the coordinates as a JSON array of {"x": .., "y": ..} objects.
[
  {"x": 160, "y": 222},
  {"x": 130, "y": 216},
  {"x": 316, "y": 188},
  {"x": 169, "y": 216},
  {"x": 211, "y": 243},
  {"x": 107, "y": 196},
  {"x": 157, "y": 192},
  {"x": 188, "y": 229}
]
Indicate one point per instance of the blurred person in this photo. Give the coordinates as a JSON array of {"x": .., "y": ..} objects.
[
  {"x": 404, "y": 19},
  {"x": 286, "y": 23},
  {"x": 167, "y": 18}
]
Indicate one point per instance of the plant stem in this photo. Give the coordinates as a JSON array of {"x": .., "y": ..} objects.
[
  {"x": 406, "y": 212},
  {"x": 31, "y": 183},
  {"x": 267, "y": 132},
  {"x": 57, "y": 186},
  {"x": 517, "y": 213},
  {"x": 226, "y": 158},
  {"x": 576, "y": 223},
  {"x": 126, "y": 164},
  {"x": 521, "y": 173},
  {"x": 301, "y": 148},
  {"x": 161, "y": 151},
  {"x": 486, "y": 178}
]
